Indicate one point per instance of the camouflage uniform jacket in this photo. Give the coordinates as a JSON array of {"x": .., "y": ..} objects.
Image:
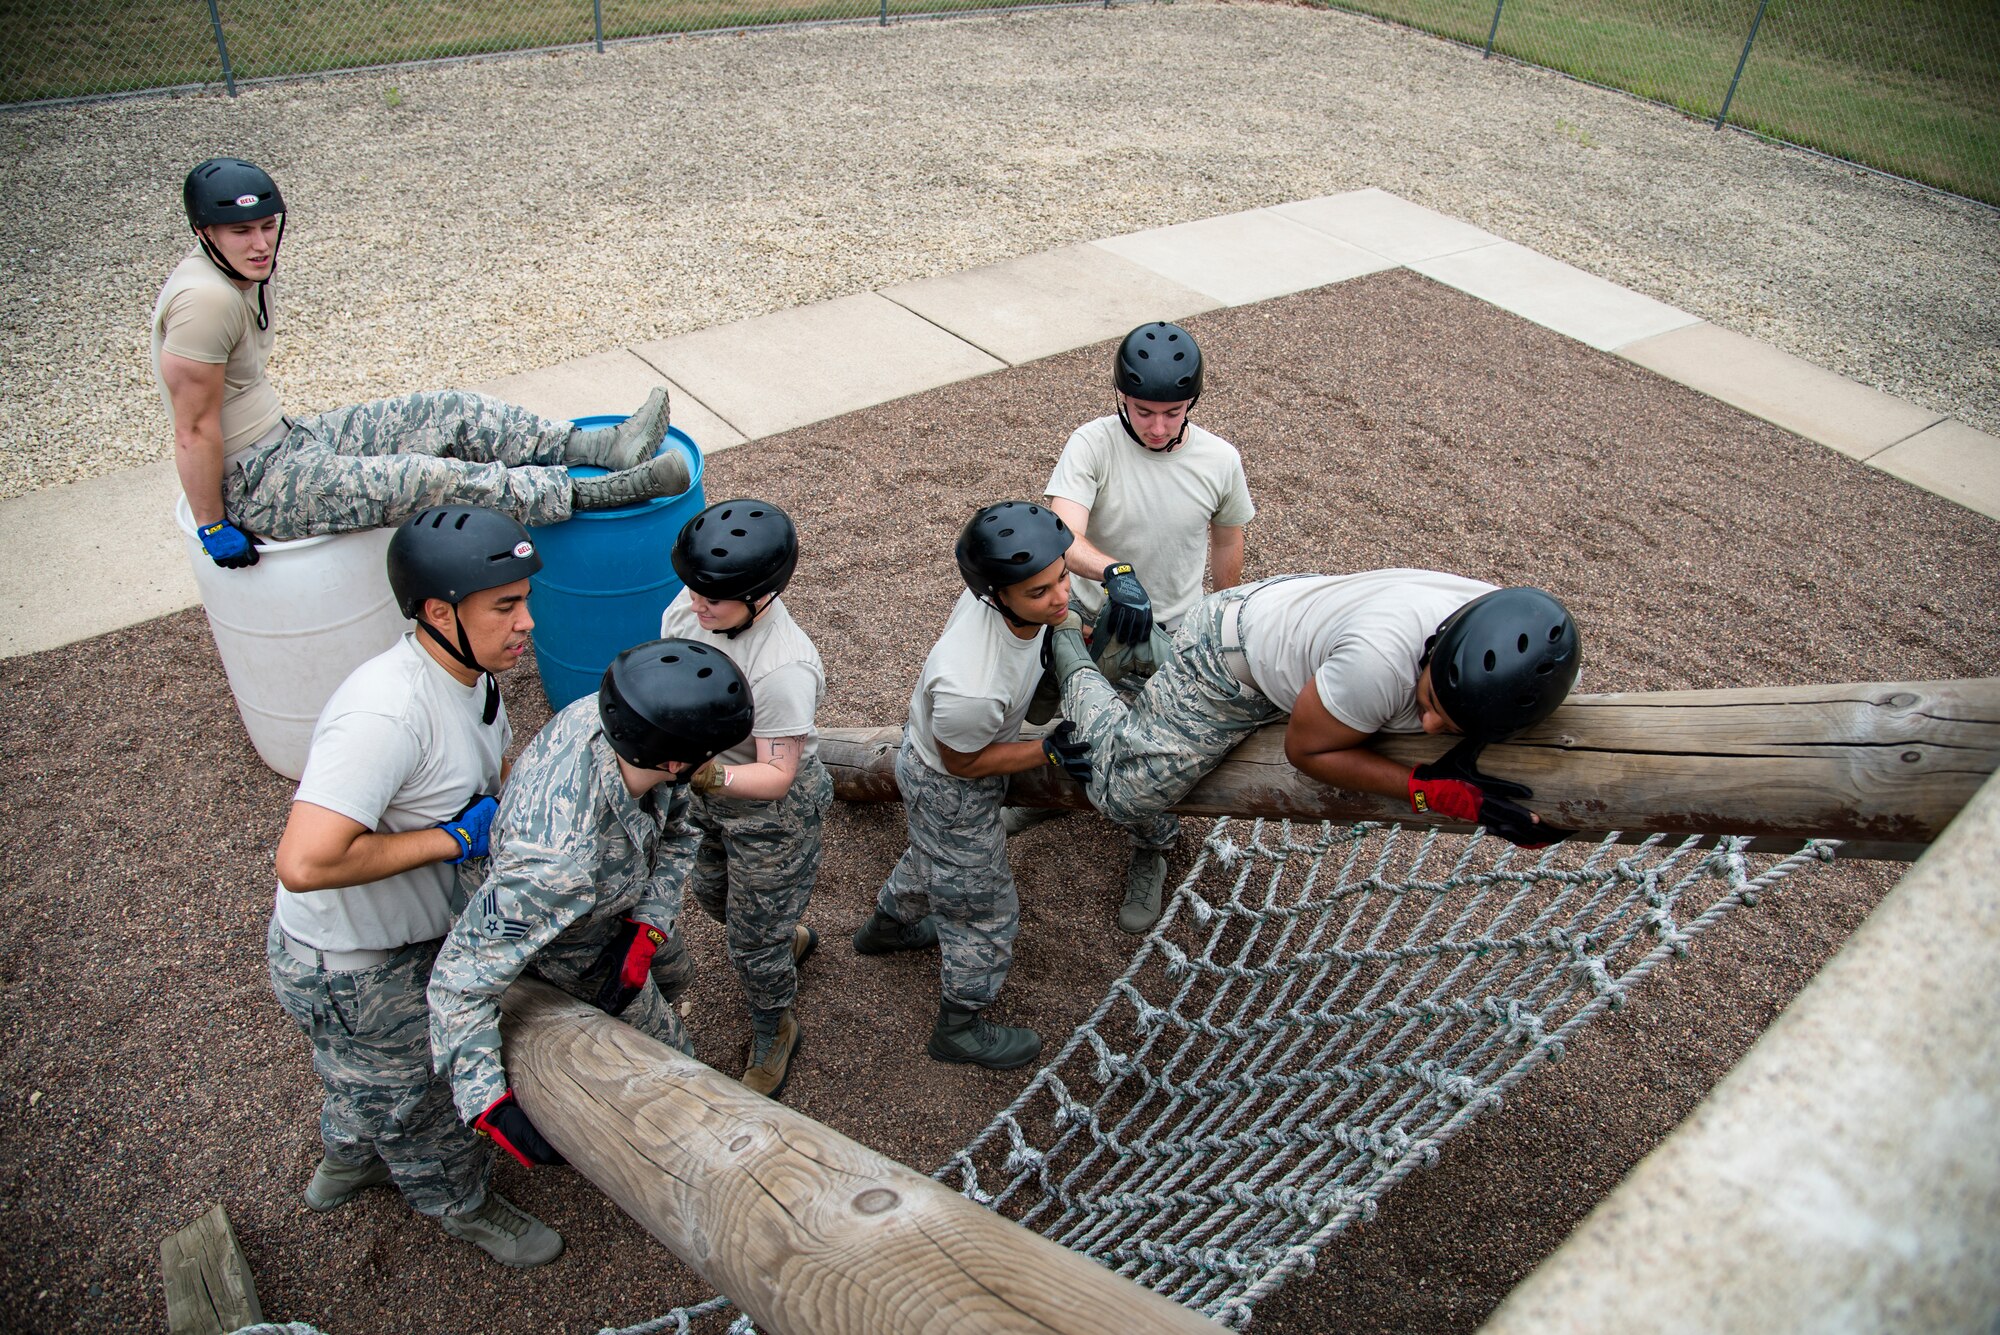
[{"x": 574, "y": 853}]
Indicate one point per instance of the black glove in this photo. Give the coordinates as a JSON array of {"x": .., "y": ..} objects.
[
  {"x": 1062, "y": 749},
  {"x": 1453, "y": 785},
  {"x": 1128, "y": 612},
  {"x": 513, "y": 1132}
]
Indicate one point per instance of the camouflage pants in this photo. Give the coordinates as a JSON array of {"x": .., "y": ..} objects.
[
  {"x": 370, "y": 1036},
  {"x": 376, "y": 464},
  {"x": 575, "y": 962},
  {"x": 1145, "y": 756},
  {"x": 753, "y": 873},
  {"x": 956, "y": 867}
]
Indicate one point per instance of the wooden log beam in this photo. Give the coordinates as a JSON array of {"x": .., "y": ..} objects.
[
  {"x": 209, "y": 1287},
  {"x": 807, "y": 1231},
  {"x": 1883, "y": 765}
]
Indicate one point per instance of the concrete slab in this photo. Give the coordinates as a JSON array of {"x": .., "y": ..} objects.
[
  {"x": 1244, "y": 257},
  {"x": 1780, "y": 388},
  {"x": 1554, "y": 295},
  {"x": 1386, "y": 224},
  {"x": 89, "y": 557},
  {"x": 836, "y": 356},
  {"x": 1845, "y": 1176},
  {"x": 1039, "y": 305},
  {"x": 611, "y": 382},
  {"x": 1952, "y": 460}
]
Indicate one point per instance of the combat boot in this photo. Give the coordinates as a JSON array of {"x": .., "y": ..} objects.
[
  {"x": 625, "y": 445},
  {"x": 804, "y": 942},
  {"x": 967, "y": 1037},
  {"x": 663, "y": 475},
  {"x": 1132, "y": 664},
  {"x": 506, "y": 1233},
  {"x": 883, "y": 935},
  {"x": 1016, "y": 819},
  {"x": 334, "y": 1185},
  {"x": 775, "y": 1041},
  {"x": 1145, "y": 880}
]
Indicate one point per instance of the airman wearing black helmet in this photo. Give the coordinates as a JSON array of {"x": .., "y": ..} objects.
[
  {"x": 952, "y": 887},
  {"x": 1341, "y": 658},
  {"x": 394, "y": 808},
  {"x": 759, "y": 805},
  {"x": 1153, "y": 499},
  {"x": 248, "y": 469},
  {"x": 590, "y": 849}
]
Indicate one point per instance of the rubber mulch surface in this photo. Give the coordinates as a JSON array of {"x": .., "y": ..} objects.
[{"x": 146, "y": 1072}]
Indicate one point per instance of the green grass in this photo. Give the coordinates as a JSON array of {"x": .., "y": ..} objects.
[
  {"x": 87, "y": 47},
  {"x": 1911, "y": 88}
]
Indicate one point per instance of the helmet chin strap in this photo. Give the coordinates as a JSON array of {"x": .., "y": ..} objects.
[
  {"x": 999, "y": 604},
  {"x": 1171, "y": 445},
  {"x": 462, "y": 653},
  {"x": 263, "y": 311},
  {"x": 751, "y": 620}
]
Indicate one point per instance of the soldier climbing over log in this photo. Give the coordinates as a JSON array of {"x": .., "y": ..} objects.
[{"x": 1340, "y": 658}]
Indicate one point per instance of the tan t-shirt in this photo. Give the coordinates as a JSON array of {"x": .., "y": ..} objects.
[
  {"x": 787, "y": 679},
  {"x": 1151, "y": 509},
  {"x": 204, "y": 317},
  {"x": 976, "y": 685},
  {"x": 1357, "y": 638}
]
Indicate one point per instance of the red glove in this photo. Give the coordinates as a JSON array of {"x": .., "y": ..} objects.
[
  {"x": 630, "y": 957},
  {"x": 1453, "y": 786},
  {"x": 513, "y": 1132}
]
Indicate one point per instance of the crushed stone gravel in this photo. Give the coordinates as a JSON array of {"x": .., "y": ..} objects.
[{"x": 506, "y": 215}]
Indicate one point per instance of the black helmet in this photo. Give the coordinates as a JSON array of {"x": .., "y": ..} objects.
[
  {"x": 673, "y": 700},
  {"x": 229, "y": 190},
  {"x": 1504, "y": 661},
  {"x": 741, "y": 549},
  {"x": 1006, "y": 543},
  {"x": 1159, "y": 363},
  {"x": 453, "y": 550}
]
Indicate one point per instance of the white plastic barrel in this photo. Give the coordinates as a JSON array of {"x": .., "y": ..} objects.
[{"x": 290, "y": 628}]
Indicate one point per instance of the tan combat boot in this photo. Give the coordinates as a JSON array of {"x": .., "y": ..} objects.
[
  {"x": 775, "y": 1041},
  {"x": 625, "y": 445}
]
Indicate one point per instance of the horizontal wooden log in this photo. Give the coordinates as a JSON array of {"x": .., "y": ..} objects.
[
  {"x": 210, "y": 1290},
  {"x": 807, "y": 1231},
  {"x": 1883, "y": 765}
]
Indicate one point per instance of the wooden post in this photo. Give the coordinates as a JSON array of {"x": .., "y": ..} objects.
[
  {"x": 209, "y": 1288},
  {"x": 1883, "y": 765},
  {"x": 807, "y": 1231}
]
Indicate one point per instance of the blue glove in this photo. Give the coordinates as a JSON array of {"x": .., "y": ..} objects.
[
  {"x": 227, "y": 545},
  {"x": 470, "y": 827},
  {"x": 1128, "y": 613}
]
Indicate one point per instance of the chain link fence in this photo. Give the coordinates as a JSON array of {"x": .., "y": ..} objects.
[
  {"x": 1912, "y": 88},
  {"x": 95, "y": 48}
]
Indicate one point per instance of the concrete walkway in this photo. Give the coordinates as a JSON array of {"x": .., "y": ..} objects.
[{"x": 90, "y": 557}]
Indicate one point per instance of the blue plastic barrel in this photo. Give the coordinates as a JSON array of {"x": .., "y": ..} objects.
[{"x": 606, "y": 578}]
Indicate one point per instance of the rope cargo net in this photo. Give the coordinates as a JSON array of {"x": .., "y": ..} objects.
[{"x": 1317, "y": 1012}]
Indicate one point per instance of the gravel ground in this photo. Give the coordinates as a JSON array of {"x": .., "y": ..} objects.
[
  {"x": 510, "y": 215},
  {"x": 146, "y": 1073}
]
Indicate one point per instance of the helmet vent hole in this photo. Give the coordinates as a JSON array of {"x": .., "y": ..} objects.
[
  {"x": 1490, "y": 662},
  {"x": 1555, "y": 633},
  {"x": 670, "y": 658},
  {"x": 1522, "y": 646},
  {"x": 1544, "y": 668},
  {"x": 718, "y": 551},
  {"x": 739, "y": 532},
  {"x": 756, "y": 514},
  {"x": 704, "y": 672},
  {"x": 1006, "y": 532},
  {"x": 735, "y": 688}
]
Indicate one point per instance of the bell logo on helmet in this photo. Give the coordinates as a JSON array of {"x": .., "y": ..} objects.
[
  {"x": 245, "y": 201},
  {"x": 524, "y": 548}
]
